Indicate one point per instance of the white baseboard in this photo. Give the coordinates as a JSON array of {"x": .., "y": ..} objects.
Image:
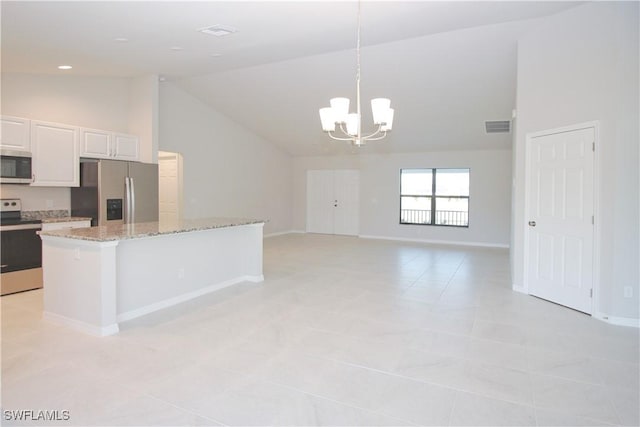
[
  {"x": 99, "y": 331},
  {"x": 282, "y": 233},
  {"x": 520, "y": 289},
  {"x": 437, "y": 242},
  {"x": 620, "y": 321},
  {"x": 132, "y": 314},
  {"x": 613, "y": 320}
]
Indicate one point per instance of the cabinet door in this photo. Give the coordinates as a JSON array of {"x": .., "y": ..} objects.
[
  {"x": 56, "y": 159},
  {"x": 126, "y": 147},
  {"x": 14, "y": 134},
  {"x": 95, "y": 143}
]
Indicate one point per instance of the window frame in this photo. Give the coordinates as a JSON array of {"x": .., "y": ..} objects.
[{"x": 434, "y": 196}]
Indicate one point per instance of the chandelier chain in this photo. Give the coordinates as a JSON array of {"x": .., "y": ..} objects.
[
  {"x": 350, "y": 125},
  {"x": 358, "y": 46},
  {"x": 359, "y": 135}
]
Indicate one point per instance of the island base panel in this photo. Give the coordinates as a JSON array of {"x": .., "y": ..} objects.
[{"x": 91, "y": 286}]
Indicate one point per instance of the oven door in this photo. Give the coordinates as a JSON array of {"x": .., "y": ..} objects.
[
  {"x": 15, "y": 167},
  {"x": 21, "y": 247}
]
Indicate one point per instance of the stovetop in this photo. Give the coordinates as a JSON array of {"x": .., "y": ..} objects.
[
  {"x": 18, "y": 221},
  {"x": 10, "y": 213}
]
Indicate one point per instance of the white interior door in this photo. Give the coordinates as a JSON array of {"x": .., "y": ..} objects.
[
  {"x": 320, "y": 201},
  {"x": 333, "y": 201},
  {"x": 347, "y": 201},
  {"x": 170, "y": 182},
  {"x": 560, "y": 217}
]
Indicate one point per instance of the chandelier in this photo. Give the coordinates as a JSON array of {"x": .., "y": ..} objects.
[{"x": 350, "y": 124}]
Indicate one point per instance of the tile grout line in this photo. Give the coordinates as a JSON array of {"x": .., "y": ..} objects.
[
  {"x": 330, "y": 399},
  {"x": 613, "y": 405},
  {"x": 393, "y": 374},
  {"x": 184, "y": 409},
  {"x": 533, "y": 405},
  {"x": 453, "y": 407}
]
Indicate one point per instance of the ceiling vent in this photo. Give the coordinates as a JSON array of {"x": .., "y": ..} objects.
[
  {"x": 498, "y": 126},
  {"x": 218, "y": 30}
]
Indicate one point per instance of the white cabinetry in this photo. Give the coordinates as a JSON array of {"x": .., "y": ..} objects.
[
  {"x": 55, "y": 155},
  {"x": 126, "y": 147},
  {"x": 14, "y": 134},
  {"x": 50, "y": 226},
  {"x": 95, "y": 143},
  {"x": 100, "y": 144}
]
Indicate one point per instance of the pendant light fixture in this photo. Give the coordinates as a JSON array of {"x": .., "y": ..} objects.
[{"x": 350, "y": 124}]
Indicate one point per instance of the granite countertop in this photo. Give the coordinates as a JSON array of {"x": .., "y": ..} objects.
[
  {"x": 52, "y": 215},
  {"x": 139, "y": 230},
  {"x": 65, "y": 219}
]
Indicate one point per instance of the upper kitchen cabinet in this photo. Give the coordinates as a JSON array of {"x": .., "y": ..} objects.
[
  {"x": 55, "y": 155},
  {"x": 99, "y": 144},
  {"x": 14, "y": 134},
  {"x": 96, "y": 144},
  {"x": 126, "y": 147}
]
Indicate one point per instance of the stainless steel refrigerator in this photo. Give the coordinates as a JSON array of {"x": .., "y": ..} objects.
[{"x": 116, "y": 192}]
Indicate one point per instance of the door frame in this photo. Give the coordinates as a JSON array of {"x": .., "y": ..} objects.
[
  {"x": 179, "y": 160},
  {"x": 596, "y": 206}
]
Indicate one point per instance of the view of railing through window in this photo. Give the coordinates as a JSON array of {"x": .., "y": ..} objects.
[
  {"x": 434, "y": 197},
  {"x": 417, "y": 216}
]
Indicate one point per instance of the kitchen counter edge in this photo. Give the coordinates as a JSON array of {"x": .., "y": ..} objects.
[
  {"x": 148, "y": 229},
  {"x": 64, "y": 219}
]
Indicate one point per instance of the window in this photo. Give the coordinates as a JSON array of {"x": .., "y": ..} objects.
[{"x": 434, "y": 197}]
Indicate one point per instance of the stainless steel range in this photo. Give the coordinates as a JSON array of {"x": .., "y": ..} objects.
[{"x": 21, "y": 250}]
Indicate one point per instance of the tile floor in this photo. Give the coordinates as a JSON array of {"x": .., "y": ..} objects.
[{"x": 344, "y": 331}]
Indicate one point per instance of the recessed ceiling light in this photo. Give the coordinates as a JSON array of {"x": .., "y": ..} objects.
[
  {"x": 216, "y": 55},
  {"x": 64, "y": 67},
  {"x": 218, "y": 30},
  {"x": 176, "y": 48},
  {"x": 121, "y": 40}
]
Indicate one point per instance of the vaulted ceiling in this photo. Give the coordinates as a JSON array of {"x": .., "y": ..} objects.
[{"x": 447, "y": 66}]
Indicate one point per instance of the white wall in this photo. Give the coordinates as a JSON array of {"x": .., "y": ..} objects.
[
  {"x": 577, "y": 66},
  {"x": 490, "y": 193},
  {"x": 37, "y": 198},
  {"x": 228, "y": 171},
  {"x": 95, "y": 102},
  {"x": 143, "y": 115}
]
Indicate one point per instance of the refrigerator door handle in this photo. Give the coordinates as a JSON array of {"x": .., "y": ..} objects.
[
  {"x": 133, "y": 200},
  {"x": 127, "y": 200}
]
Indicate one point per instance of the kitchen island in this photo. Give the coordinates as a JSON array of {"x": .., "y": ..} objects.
[{"x": 96, "y": 277}]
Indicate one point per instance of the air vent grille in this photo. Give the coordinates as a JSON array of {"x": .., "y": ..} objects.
[{"x": 498, "y": 126}]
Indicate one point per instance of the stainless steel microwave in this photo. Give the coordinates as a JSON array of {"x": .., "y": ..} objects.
[{"x": 16, "y": 167}]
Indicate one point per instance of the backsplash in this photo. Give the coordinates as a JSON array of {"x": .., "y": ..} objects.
[
  {"x": 57, "y": 213},
  {"x": 38, "y": 198}
]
